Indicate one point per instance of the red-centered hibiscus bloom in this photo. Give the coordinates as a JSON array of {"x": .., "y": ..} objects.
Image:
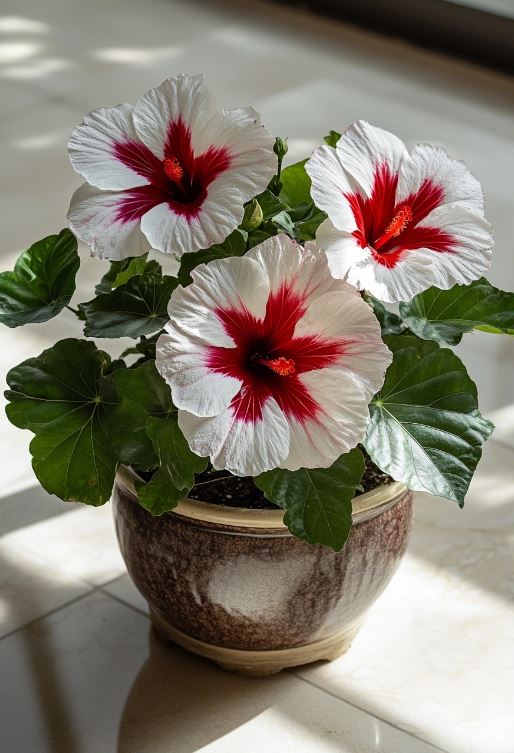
[
  {"x": 271, "y": 361},
  {"x": 398, "y": 222},
  {"x": 171, "y": 173}
]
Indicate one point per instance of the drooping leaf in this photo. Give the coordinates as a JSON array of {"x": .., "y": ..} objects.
[
  {"x": 139, "y": 394},
  {"x": 390, "y": 323},
  {"x": 318, "y": 502},
  {"x": 445, "y": 315},
  {"x": 425, "y": 428},
  {"x": 42, "y": 282},
  {"x": 177, "y": 466},
  {"x": 233, "y": 245},
  {"x": 63, "y": 396},
  {"x": 139, "y": 307},
  {"x": 296, "y": 185},
  {"x": 265, "y": 231},
  {"x": 332, "y": 138}
]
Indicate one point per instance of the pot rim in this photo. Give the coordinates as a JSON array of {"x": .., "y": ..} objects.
[{"x": 364, "y": 506}]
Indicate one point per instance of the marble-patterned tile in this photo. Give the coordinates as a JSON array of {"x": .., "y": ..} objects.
[
  {"x": 93, "y": 678},
  {"x": 80, "y": 542},
  {"x": 435, "y": 654},
  {"x": 124, "y": 590}
]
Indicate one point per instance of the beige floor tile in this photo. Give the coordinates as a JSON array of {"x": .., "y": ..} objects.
[
  {"x": 435, "y": 654},
  {"x": 93, "y": 679},
  {"x": 124, "y": 590}
]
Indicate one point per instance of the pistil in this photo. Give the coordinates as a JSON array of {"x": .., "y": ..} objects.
[
  {"x": 282, "y": 366},
  {"x": 396, "y": 226},
  {"x": 173, "y": 169}
]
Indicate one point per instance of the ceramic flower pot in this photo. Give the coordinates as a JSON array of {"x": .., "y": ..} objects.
[{"x": 233, "y": 584}]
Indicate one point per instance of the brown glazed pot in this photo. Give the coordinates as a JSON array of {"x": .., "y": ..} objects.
[{"x": 233, "y": 585}]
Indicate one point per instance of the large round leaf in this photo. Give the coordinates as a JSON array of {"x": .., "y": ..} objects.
[
  {"x": 63, "y": 397},
  {"x": 425, "y": 428}
]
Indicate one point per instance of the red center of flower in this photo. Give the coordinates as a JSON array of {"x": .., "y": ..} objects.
[
  {"x": 181, "y": 179},
  {"x": 396, "y": 226},
  {"x": 173, "y": 169},
  {"x": 269, "y": 360},
  {"x": 390, "y": 229}
]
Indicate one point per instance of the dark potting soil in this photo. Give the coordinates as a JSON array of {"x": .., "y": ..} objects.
[{"x": 220, "y": 488}]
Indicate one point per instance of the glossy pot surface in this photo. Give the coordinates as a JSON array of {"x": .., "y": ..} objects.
[{"x": 233, "y": 583}]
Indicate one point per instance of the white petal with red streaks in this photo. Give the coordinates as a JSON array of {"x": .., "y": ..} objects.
[
  {"x": 92, "y": 144},
  {"x": 236, "y": 282},
  {"x": 472, "y": 245},
  {"x": 93, "y": 218},
  {"x": 182, "y": 97},
  {"x": 427, "y": 162},
  {"x": 350, "y": 320},
  {"x": 339, "y": 426},
  {"x": 345, "y": 256},
  {"x": 175, "y": 233},
  {"x": 181, "y": 361},
  {"x": 253, "y": 162},
  {"x": 243, "y": 448},
  {"x": 287, "y": 263},
  {"x": 363, "y": 148},
  {"x": 330, "y": 185}
]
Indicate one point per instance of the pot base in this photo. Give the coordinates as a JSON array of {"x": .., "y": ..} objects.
[{"x": 258, "y": 663}]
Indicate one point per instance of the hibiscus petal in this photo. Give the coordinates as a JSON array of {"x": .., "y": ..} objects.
[
  {"x": 181, "y": 98},
  {"x": 347, "y": 319},
  {"x": 251, "y": 160},
  {"x": 103, "y": 221},
  {"x": 345, "y": 256},
  {"x": 289, "y": 265},
  {"x": 106, "y": 150},
  {"x": 181, "y": 361},
  {"x": 429, "y": 166},
  {"x": 243, "y": 448},
  {"x": 364, "y": 150},
  {"x": 174, "y": 229},
  {"x": 330, "y": 186},
  {"x": 340, "y": 423}
]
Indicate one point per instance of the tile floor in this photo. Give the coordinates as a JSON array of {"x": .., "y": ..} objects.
[{"x": 81, "y": 672}]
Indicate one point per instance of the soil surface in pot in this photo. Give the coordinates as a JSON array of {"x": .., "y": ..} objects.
[{"x": 219, "y": 488}]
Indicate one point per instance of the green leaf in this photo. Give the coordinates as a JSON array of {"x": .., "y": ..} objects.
[
  {"x": 296, "y": 185},
  {"x": 137, "y": 308},
  {"x": 425, "y": 428},
  {"x": 233, "y": 245},
  {"x": 318, "y": 502},
  {"x": 63, "y": 397},
  {"x": 262, "y": 234},
  {"x": 270, "y": 204},
  {"x": 445, "y": 315},
  {"x": 308, "y": 222},
  {"x": 42, "y": 282},
  {"x": 145, "y": 349},
  {"x": 121, "y": 272},
  {"x": 332, "y": 138},
  {"x": 390, "y": 323},
  {"x": 177, "y": 467},
  {"x": 139, "y": 393}
]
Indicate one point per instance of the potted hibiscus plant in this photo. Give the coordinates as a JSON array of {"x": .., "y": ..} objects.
[{"x": 262, "y": 435}]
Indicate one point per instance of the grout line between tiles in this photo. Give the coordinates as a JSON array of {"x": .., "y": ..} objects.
[
  {"x": 122, "y": 601},
  {"x": 367, "y": 711},
  {"x": 48, "y": 614}
]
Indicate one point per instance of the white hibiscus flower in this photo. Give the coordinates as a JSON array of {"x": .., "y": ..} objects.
[
  {"x": 171, "y": 173},
  {"x": 398, "y": 221},
  {"x": 271, "y": 361}
]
